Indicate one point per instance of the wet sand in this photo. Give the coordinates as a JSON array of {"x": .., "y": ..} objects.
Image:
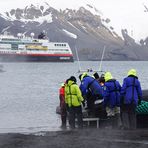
[{"x": 85, "y": 138}]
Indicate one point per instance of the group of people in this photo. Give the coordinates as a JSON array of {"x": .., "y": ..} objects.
[{"x": 119, "y": 102}]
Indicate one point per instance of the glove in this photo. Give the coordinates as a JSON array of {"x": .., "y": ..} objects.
[
  {"x": 104, "y": 104},
  {"x": 83, "y": 103},
  {"x": 67, "y": 107},
  {"x": 139, "y": 101},
  {"x": 122, "y": 100},
  {"x": 85, "y": 97}
]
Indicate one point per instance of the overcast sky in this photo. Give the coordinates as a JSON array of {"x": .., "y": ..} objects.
[{"x": 129, "y": 13}]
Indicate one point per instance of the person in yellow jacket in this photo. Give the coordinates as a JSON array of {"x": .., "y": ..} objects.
[{"x": 73, "y": 98}]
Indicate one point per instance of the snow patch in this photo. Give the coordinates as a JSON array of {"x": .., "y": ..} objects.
[
  {"x": 47, "y": 18},
  {"x": 74, "y": 26},
  {"x": 5, "y": 29},
  {"x": 70, "y": 34}
]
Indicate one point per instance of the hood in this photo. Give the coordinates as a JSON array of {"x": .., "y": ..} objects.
[
  {"x": 132, "y": 72},
  {"x": 70, "y": 82},
  {"x": 108, "y": 76},
  {"x": 83, "y": 75}
]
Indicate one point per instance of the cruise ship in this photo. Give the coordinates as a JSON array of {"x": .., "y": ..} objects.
[{"x": 29, "y": 49}]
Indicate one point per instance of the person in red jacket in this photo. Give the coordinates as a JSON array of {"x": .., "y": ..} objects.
[{"x": 62, "y": 105}]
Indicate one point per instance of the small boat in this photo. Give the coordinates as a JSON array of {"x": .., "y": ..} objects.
[{"x": 26, "y": 49}]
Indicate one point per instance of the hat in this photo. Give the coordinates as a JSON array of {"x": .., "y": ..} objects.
[
  {"x": 102, "y": 75},
  {"x": 96, "y": 75},
  {"x": 73, "y": 79},
  {"x": 80, "y": 76}
]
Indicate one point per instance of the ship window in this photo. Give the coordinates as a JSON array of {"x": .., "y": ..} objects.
[
  {"x": 60, "y": 45},
  {"x": 14, "y": 46},
  {"x": 5, "y": 39}
]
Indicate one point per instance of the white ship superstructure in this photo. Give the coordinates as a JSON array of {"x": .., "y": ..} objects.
[{"x": 30, "y": 49}]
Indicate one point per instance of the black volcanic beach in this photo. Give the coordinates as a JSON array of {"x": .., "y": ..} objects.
[{"x": 87, "y": 138}]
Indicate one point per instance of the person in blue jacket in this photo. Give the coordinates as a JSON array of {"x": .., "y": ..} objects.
[
  {"x": 131, "y": 96},
  {"x": 91, "y": 91},
  {"x": 111, "y": 102}
]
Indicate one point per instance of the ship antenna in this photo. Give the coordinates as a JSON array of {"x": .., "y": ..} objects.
[
  {"x": 78, "y": 59},
  {"x": 100, "y": 65}
]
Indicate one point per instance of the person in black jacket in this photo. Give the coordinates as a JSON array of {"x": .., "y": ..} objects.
[{"x": 91, "y": 91}]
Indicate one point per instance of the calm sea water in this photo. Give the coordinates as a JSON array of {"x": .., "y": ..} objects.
[{"x": 29, "y": 91}]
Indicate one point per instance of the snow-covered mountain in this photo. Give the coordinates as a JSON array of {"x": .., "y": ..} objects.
[
  {"x": 124, "y": 14},
  {"x": 84, "y": 28}
]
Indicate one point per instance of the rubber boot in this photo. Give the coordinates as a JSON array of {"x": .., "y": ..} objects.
[{"x": 63, "y": 118}]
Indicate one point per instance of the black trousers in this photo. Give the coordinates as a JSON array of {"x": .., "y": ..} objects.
[
  {"x": 90, "y": 104},
  {"x": 63, "y": 115},
  {"x": 75, "y": 112},
  {"x": 128, "y": 116}
]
